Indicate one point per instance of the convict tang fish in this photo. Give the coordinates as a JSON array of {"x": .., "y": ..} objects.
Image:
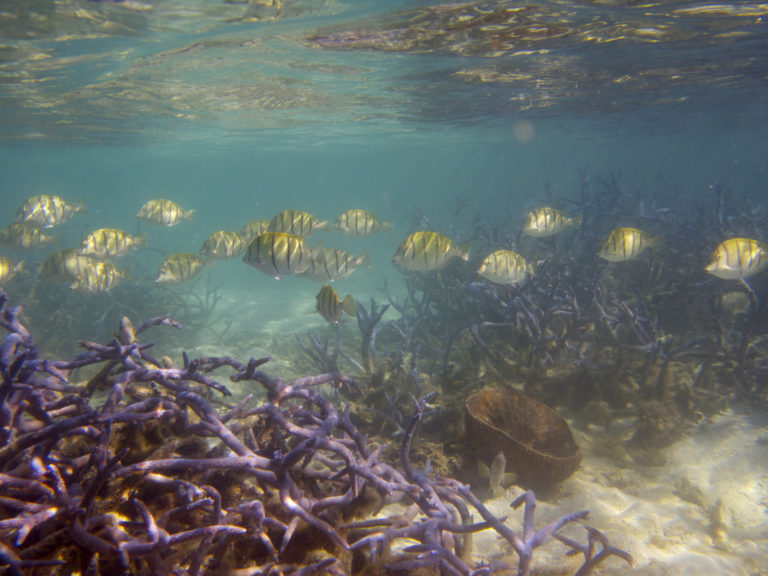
[
  {"x": 296, "y": 222},
  {"x": 359, "y": 223},
  {"x": 625, "y": 244},
  {"x": 424, "y": 251},
  {"x": 223, "y": 244},
  {"x": 179, "y": 267},
  {"x": 19, "y": 235},
  {"x": 738, "y": 258},
  {"x": 278, "y": 254},
  {"x": 164, "y": 212},
  {"x": 330, "y": 306},
  {"x": 505, "y": 267},
  {"x": 330, "y": 264},
  {"x": 110, "y": 242},
  {"x": 548, "y": 221},
  {"x": 46, "y": 211}
]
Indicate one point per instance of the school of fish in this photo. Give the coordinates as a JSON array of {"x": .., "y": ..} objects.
[{"x": 278, "y": 247}]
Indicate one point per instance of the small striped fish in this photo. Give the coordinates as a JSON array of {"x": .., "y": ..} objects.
[
  {"x": 65, "y": 265},
  {"x": 110, "y": 242},
  {"x": 164, "y": 212},
  {"x": 46, "y": 211},
  {"x": 505, "y": 267},
  {"x": 330, "y": 306},
  {"x": 223, "y": 244},
  {"x": 8, "y": 269},
  {"x": 625, "y": 244},
  {"x": 179, "y": 267},
  {"x": 98, "y": 277},
  {"x": 548, "y": 221},
  {"x": 253, "y": 229},
  {"x": 359, "y": 223},
  {"x": 296, "y": 222},
  {"x": 24, "y": 236},
  {"x": 738, "y": 258},
  {"x": 424, "y": 251},
  {"x": 330, "y": 264},
  {"x": 278, "y": 254}
]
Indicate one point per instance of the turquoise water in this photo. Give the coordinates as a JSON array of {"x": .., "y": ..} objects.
[{"x": 450, "y": 117}]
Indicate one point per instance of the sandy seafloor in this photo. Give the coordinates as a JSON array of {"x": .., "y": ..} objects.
[{"x": 660, "y": 512}]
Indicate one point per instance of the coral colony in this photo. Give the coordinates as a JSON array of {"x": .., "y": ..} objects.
[{"x": 135, "y": 471}]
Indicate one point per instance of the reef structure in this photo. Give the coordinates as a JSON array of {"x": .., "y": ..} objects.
[{"x": 149, "y": 478}]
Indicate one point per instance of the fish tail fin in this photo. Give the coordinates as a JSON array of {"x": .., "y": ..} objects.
[
  {"x": 364, "y": 260},
  {"x": 140, "y": 240},
  {"x": 324, "y": 225},
  {"x": 349, "y": 306},
  {"x": 188, "y": 214},
  {"x": 464, "y": 251},
  {"x": 656, "y": 242},
  {"x": 576, "y": 220},
  {"x": 19, "y": 267},
  {"x": 386, "y": 225}
]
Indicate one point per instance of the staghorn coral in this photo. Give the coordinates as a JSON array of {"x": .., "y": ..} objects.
[{"x": 283, "y": 487}]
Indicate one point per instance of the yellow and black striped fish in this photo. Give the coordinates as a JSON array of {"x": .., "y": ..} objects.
[
  {"x": 330, "y": 306},
  {"x": 24, "y": 236},
  {"x": 330, "y": 264},
  {"x": 223, "y": 244},
  {"x": 98, "y": 277},
  {"x": 46, "y": 211},
  {"x": 625, "y": 244},
  {"x": 110, "y": 242},
  {"x": 65, "y": 265},
  {"x": 179, "y": 267},
  {"x": 278, "y": 253},
  {"x": 296, "y": 222},
  {"x": 548, "y": 221},
  {"x": 164, "y": 212},
  {"x": 738, "y": 258},
  {"x": 8, "y": 269},
  {"x": 423, "y": 251},
  {"x": 253, "y": 229},
  {"x": 505, "y": 267},
  {"x": 359, "y": 223}
]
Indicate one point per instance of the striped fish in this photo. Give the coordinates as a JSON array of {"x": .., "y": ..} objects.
[
  {"x": 296, "y": 222},
  {"x": 179, "y": 267},
  {"x": 164, "y": 212},
  {"x": 24, "y": 236},
  {"x": 65, "y": 265},
  {"x": 223, "y": 244},
  {"x": 359, "y": 223},
  {"x": 738, "y": 258},
  {"x": 423, "y": 251},
  {"x": 8, "y": 269},
  {"x": 278, "y": 254},
  {"x": 253, "y": 229},
  {"x": 110, "y": 242},
  {"x": 625, "y": 244},
  {"x": 330, "y": 306},
  {"x": 548, "y": 221},
  {"x": 330, "y": 264},
  {"x": 98, "y": 277},
  {"x": 46, "y": 211},
  {"x": 505, "y": 267}
]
